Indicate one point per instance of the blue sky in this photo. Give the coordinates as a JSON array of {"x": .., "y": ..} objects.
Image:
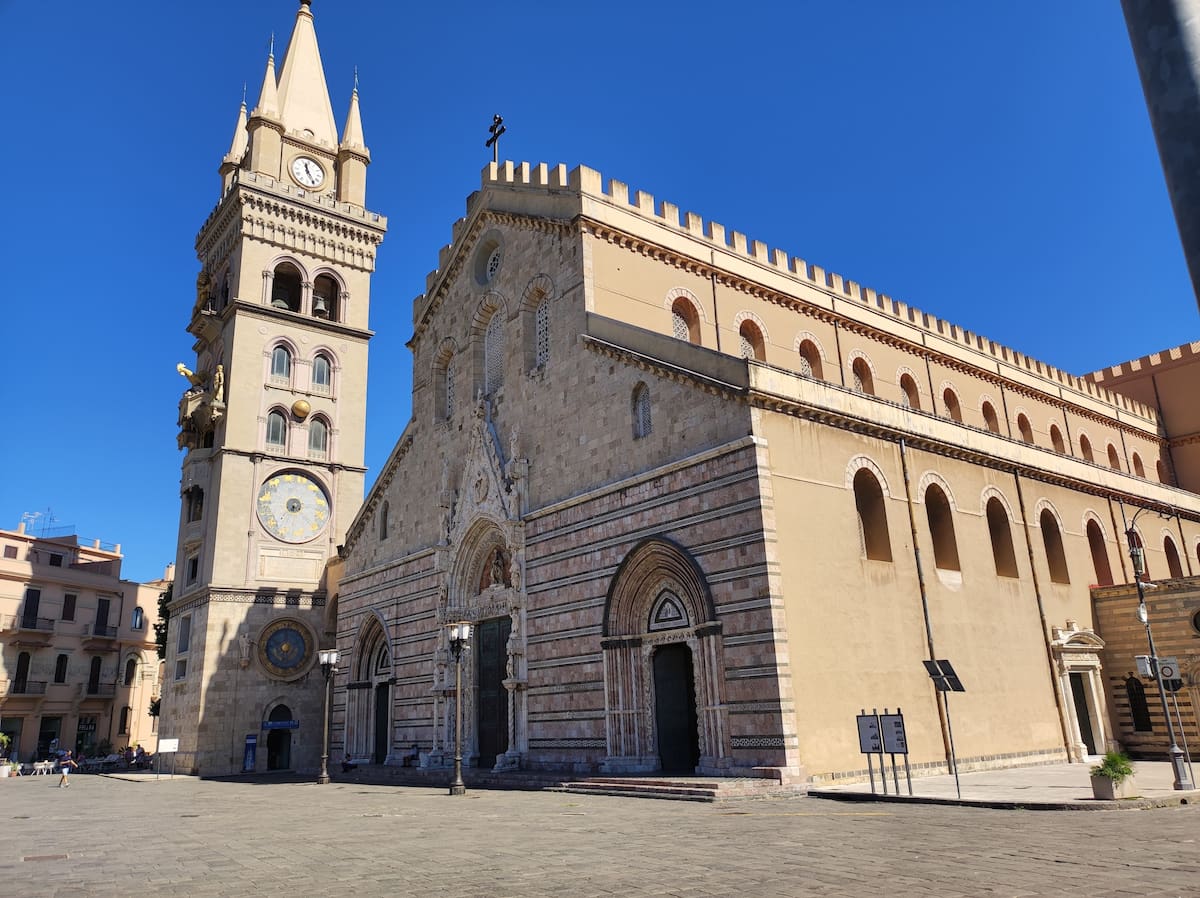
[{"x": 990, "y": 163}]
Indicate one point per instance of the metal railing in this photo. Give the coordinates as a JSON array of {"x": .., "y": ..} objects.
[
  {"x": 101, "y": 690},
  {"x": 22, "y": 687},
  {"x": 30, "y": 622},
  {"x": 102, "y": 631}
]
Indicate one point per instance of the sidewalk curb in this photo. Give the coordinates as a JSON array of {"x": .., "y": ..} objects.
[{"x": 1132, "y": 804}]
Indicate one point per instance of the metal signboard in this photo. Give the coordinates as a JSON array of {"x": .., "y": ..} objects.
[
  {"x": 166, "y": 746},
  {"x": 869, "y": 741},
  {"x": 895, "y": 740},
  {"x": 281, "y": 725},
  {"x": 1169, "y": 668}
]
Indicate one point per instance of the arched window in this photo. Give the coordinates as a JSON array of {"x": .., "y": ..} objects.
[
  {"x": 322, "y": 374},
  {"x": 989, "y": 417},
  {"x": 751, "y": 341},
  {"x": 941, "y": 528},
  {"x": 1056, "y": 439},
  {"x": 1099, "y": 554},
  {"x": 286, "y": 287},
  {"x": 1001, "y": 534},
  {"x": 1174, "y": 568},
  {"x": 1085, "y": 448},
  {"x": 541, "y": 327},
  {"x": 1114, "y": 460},
  {"x": 861, "y": 378},
  {"x": 281, "y": 365},
  {"x": 325, "y": 297},
  {"x": 276, "y": 429},
  {"x": 493, "y": 353},
  {"x": 641, "y": 412},
  {"x": 1025, "y": 428},
  {"x": 1138, "y": 709},
  {"x": 1056, "y": 558},
  {"x": 810, "y": 360},
  {"x": 952, "y": 405},
  {"x": 912, "y": 396},
  {"x": 138, "y": 620},
  {"x": 318, "y": 438},
  {"x": 1139, "y": 469},
  {"x": 194, "y": 501},
  {"x": 130, "y": 671},
  {"x": 384, "y": 510},
  {"x": 685, "y": 322},
  {"x": 93, "y": 683},
  {"x": 872, "y": 516},
  {"x": 60, "y": 669}
]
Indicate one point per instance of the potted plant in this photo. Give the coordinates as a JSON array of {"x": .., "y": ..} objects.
[{"x": 1112, "y": 778}]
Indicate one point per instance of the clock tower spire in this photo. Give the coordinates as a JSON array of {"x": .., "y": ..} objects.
[{"x": 272, "y": 421}]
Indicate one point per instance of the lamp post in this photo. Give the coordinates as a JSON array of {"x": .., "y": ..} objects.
[
  {"x": 460, "y": 635},
  {"x": 328, "y": 660},
  {"x": 1137, "y": 555}
]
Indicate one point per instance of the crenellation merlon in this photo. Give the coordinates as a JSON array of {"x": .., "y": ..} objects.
[
  {"x": 589, "y": 181},
  {"x": 1146, "y": 363}
]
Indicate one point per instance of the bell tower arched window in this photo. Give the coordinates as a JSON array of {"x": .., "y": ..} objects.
[
  {"x": 318, "y": 438},
  {"x": 281, "y": 365},
  {"x": 325, "y": 298},
  {"x": 276, "y": 429},
  {"x": 322, "y": 374},
  {"x": 286, "y": 287}
]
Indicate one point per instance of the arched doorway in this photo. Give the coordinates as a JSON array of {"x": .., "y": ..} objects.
[
  {"x": 675, "y": 722},
  {"x": 369, "y": 718},
  {"x": 279, "y": 741},
  {"x": 491, "y": 639},
  {"x": 662, "y": 658}
]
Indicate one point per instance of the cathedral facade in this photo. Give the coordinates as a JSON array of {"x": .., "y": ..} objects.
[
  {"x": 272, "y": 421},
  {"x": 704, "y": 502}
]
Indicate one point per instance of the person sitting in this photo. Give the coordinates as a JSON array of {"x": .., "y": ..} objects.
[{"x": 347, "y": 764}]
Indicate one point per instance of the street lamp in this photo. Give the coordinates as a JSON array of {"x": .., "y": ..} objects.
[
  {"x": 1137, "y": 555},
  {"x": 328, "y": 659},
  {"x": 460, "y": 634}
]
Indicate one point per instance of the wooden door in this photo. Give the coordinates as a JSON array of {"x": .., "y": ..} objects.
[{"x": 675, "y": 709}]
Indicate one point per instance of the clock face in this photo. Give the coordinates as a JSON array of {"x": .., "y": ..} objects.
[
  {"x": 292, "y": 507},
  {"x": 307, "y": 171},
  {"x": 285, "y": 648}
]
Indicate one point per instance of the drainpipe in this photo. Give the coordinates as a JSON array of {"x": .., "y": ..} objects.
[
  {"x": 940, "y": 697},
  {"x": 1037, "y": 592}
]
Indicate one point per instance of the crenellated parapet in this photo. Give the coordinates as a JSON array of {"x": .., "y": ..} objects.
[
  {"x": 1147, "y": 364},
  {"x": 590, "y": 185}
]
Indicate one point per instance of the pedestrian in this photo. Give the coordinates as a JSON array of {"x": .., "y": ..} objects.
[{"x": 65, "y": 766}]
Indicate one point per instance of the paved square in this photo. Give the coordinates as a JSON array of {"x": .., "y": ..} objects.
[{"x": 108, "y": 837}]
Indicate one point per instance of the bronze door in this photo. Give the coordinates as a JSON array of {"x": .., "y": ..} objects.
[
  {"x": 491, "y": 656},
  {"x": 382, "y": 694}
]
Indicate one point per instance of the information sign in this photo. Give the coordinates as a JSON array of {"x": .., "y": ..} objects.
[
  {"x": 166, "y": 746},
  {"x": 895, "y": 741},
  {"x": 868, "y": 734}
]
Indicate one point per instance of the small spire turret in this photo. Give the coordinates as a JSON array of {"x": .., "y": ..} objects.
[
  {"x": 268, "y": 97},
  {"x": 353, "y": 155}
]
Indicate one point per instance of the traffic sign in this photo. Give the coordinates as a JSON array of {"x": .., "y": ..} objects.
[{"x": 1168, "y": 668}]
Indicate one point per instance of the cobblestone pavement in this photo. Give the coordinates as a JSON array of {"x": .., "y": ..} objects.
[{"x": 185, "y": 837}]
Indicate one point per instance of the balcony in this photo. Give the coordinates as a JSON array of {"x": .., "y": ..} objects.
[
  {"x": 97, "y": 690},
  {"x": 29, "y": 629},
  {"x": 99, "y": 637},
  {"x": 22, "y": 687}
]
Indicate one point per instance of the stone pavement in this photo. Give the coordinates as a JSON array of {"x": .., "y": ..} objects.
[
  {"x": 1048, "y": 787},
  {"x": 260, "y": 837}
]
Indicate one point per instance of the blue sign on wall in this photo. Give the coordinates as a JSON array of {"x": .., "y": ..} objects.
[
  {"x": 250, "y": 758},
  {"x": 281, "y": 725}
]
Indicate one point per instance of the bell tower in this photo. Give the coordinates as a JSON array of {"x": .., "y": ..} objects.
[{"x": 272, "y": 421}]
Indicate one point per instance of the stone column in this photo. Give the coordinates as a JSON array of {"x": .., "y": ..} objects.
[{"x": 1165, "y": 35}]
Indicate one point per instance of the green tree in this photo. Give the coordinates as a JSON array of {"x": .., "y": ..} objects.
[
  {"x": 160, "y": 626},
  {"x": 155, "y": 706}
]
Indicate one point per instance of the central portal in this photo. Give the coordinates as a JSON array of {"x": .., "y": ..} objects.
[
  {"x": 675, "y": 709},
  {"x": 491, "y": 640}
]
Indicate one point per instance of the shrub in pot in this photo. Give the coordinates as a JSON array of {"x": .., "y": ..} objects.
[{"x": 1112, "y": 778}]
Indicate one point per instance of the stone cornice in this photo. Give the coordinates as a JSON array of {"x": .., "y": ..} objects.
[
  {"x": 874, "y": 428},
  {"x": 281, "y": 598}
]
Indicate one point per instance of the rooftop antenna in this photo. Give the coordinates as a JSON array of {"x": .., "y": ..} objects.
[
  {"x": 496, "y": 129},
  {"x": 29, "y": 518}
]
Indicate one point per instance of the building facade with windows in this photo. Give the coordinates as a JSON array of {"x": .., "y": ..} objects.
[
  {"x": 79, "y": 664},
  {"x": 704, "y": 502},
  {"x": 272, "y": 421}
]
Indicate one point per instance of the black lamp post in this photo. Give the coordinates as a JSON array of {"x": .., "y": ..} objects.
[
  {"x": 460, "y": 635},
  {"x": 1137, "y": 555},
  {"x": 328, "y": 661}
]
